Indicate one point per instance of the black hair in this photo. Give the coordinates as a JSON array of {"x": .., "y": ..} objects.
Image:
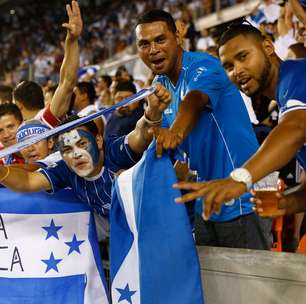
[
  {"x": 30, "y": 94},
  {"x": 6, "y": 93},
  {"x": 10, "y": 109},
  {"x": 158, "y": 15},
  {"x": 89, "y": 89},
  {"x": 236, "y": 29},
  {"x": 107, "y": 79},
  {"x": 298, "y": 49},
  {"x": 126, "y": 86}
]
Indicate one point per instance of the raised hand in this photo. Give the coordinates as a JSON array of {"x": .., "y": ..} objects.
[
  {"x": 158, "y": 102},
  {"x": 75, "y": 22}
]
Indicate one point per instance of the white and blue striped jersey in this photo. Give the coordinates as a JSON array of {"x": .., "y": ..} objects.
[
  {"x": 95, "y": 191},
  {"x": 223, "y": 138},
  {"x": 291, "y": 93}
]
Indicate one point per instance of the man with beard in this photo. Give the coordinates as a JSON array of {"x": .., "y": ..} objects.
[
  {"x": 208, "y": 116},
  {"x": 251, "y": 63}
]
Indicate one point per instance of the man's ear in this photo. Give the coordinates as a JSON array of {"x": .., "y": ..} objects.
[
  {"x": 19, "y": 105},
  {"x": 99, "y": 140},
  {"x": 51, "y": 143},
  {"x": 268, "y": 47}
]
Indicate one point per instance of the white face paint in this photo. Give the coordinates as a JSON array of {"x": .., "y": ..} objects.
[{"x": 74, "y": 150}]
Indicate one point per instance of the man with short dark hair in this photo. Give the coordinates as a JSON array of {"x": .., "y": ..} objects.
[
  {"x": 10, "y": 120},
  {"x": 251, "y": 63},
  {"x": 123, "y": 120},
  {"x": 208, "y": 118},
  {"x": 5, "y": 94}
]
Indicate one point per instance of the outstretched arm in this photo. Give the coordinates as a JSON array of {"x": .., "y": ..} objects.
[
  {"x": 68, "y": 74},
  {"x": 277, "y": 150},
  {"x": 187, "y": 117},
  {"x": 19, "y": 179},
  {"x": 298, "y": 10},
  {"x": 141, "y": 136}
]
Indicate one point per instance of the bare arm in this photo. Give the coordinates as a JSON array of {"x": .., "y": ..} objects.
[
  {"x": 20, "y": 180},
  {"x": 187, "y": 117},
  {"x": 280, "y": 146},
  {"x": 298, "y": 10},
  {"x": 68, "y": 73},
  {"x": 141, "y": 136}
]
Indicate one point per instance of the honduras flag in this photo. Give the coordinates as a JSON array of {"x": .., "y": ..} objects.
[
  {"x": 48, "y": 250},
  {"x": 153, "y": 254}
]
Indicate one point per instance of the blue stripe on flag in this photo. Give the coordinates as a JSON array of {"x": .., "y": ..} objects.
[
  {"x": 68, "y": 290},
  {"x": 35, "y": 203}
]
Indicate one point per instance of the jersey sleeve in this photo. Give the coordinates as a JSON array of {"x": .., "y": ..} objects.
[
  {"x": 208, "y": 78},
  {"x": 291, "y": 91},
  {"x": 118, "y": 154},
  {"x": 48, "y": 118},
  {"x": 57, "y": 175}
]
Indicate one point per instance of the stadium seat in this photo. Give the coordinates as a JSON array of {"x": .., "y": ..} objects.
[{"x": 302, "y": 245}]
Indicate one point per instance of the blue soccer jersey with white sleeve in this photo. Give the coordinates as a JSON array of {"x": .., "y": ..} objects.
[
  {"x": 291, "y": 93},
  {"x": 95, "y": 191},
  {"x": 223, "y": 138}
]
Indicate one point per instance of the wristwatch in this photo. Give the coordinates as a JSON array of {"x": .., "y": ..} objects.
[{"x": 242, "y": 175}]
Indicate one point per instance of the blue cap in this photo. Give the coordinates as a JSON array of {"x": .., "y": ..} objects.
[{"x": 30, "y": 128}]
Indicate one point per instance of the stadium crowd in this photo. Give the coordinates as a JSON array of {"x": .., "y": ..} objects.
[{"x": 62, "y": 90}]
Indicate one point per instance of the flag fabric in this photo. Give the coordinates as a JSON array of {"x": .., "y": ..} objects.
[
  {"x": 48, "y": 250},
  {"x": 153, "y": 254}
]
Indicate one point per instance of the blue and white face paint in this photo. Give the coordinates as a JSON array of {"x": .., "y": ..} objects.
[{"x": 80, "y": 151}]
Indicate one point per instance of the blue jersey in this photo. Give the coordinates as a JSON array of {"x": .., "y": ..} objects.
[
  {"x": 291, "y": 93},
  {"x": 95, "y": 191},
  {"x": 223, "y": 139}
]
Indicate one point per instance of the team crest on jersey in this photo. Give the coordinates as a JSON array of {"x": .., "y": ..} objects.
[{"x": 199, "y": 72}]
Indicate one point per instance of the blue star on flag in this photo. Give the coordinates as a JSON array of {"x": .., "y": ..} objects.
[
  {"x": 51, "y": 263},
  {"x": 126, "y": 294},
  {"x": 52, "y": 230},
  {"x": 74, "y": 245}
]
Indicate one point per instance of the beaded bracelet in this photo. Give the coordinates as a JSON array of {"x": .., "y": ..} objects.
[{"x": 151, "y": 122}]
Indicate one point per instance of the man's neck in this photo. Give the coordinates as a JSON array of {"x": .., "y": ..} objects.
[
  {"x": 27, "y": 114},
  {"x": 175, "y": 73}
]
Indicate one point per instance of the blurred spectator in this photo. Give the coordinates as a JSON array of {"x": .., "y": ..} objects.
[
  {"x": 103, "y": 91},
  {"x": 205, "y": 41},
  {"x": 10, "y": 119},
  {"x": 124, "y": 119},
  {"x": 296, "y": 50},
  {"x": 5, "y": 94},
  {"x": 29, "y": 98}
]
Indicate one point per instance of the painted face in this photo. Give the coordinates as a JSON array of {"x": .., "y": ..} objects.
[
  {"x": 80, "y": 151},
  {"x": 8, "y": 127},
  {"x": 157, "y": 47},
  {"x": 246, "y": 63}
]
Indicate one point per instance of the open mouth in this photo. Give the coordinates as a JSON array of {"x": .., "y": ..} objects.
[
  {"x": 158, "y": 62},
  {"x": 244, "y": 83}
]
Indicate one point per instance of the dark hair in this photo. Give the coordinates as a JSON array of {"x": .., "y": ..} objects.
[
  {"x": 157, "y": 15},
  {"x": 6, "y": 93},
  {"x": 90, "y": 126},
  {"x": 107, "y": 79},
  {"x": 10, "y": 109},
  {"x": 126, "y": 86},
  {"x": 236, "y": 29},
  {"x": 89, "y": 89},
  {"x": 298, "y": 49},
  {"x": 30, "y": 94}
]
